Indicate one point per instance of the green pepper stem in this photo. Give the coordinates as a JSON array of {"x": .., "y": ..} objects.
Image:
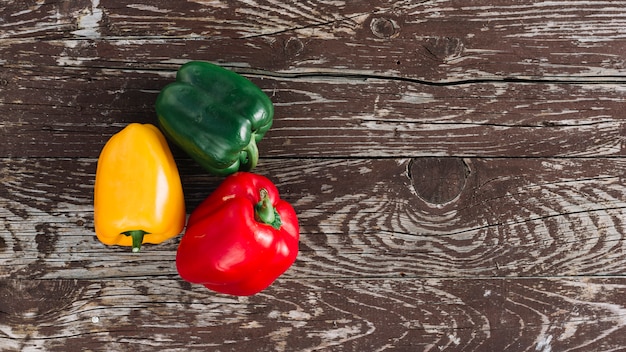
[
  {"x": 137, "y": 236},
  {"x": 265, "y": 212},
  {"x": 250, "y": 156}
]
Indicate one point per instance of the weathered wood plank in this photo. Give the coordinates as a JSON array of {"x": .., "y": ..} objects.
[
  {"x": 71, "y": 113},
  {"x": 77, "y": 72},
  {"x": 431, "y": 40},
  {"x": 359, "y": 218},
  {"x": 308, "y": 315}
]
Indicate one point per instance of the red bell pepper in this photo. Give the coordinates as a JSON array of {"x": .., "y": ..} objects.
[{"x": 240, "y": 238}]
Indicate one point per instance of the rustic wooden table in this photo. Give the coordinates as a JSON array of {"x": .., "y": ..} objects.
[{"x": 457, "y": 168}]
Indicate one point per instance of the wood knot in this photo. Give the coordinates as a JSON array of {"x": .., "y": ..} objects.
[
  {"x": 37, "y": 300},
  {"x": 384, "y": 28},
  {"x": 293, "y": 47},
  {"x": 443, "y": 49},
  {"x": 438, "y": 181}
]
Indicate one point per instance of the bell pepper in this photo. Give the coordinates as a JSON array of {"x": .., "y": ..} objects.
[
  {"x": 138, "y": 196},
  {"x": 240, "y": 238},
  {"x": 216, "y": 116}
]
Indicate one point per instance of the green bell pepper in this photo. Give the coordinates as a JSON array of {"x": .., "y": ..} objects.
[{"x": 216, "y": 116}]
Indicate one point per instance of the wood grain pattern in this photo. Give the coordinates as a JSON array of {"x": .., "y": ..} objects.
[
  {"x": 457, "y": 169},
  {"x": 347, "y": 315},
  {"x": 359, "y": 218},
  {"x": 431, "y": 40},
  {"x": 322, "y": 117}
]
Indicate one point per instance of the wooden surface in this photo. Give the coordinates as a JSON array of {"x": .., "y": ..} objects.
[{"x": 457, "y": 168}]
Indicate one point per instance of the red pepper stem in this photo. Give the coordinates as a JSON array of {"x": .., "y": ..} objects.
[
  {"x": 137, "y": 236},
  {"x": 265, "y": 212}
]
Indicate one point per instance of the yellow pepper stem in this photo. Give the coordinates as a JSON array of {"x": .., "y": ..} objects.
[{"x": 137, "y": 236}]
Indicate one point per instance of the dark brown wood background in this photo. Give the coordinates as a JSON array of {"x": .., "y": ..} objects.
[{"x": 457, "y": 168}]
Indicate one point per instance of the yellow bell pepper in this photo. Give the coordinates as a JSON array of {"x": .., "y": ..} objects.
[{"x": 138, "y": 196}]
